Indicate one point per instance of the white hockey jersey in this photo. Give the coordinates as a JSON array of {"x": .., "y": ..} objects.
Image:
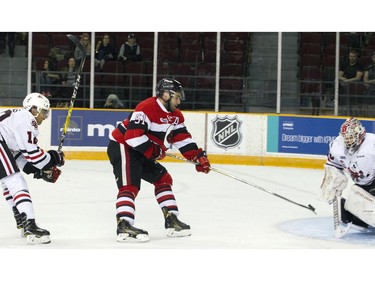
[
  {"x": 19, "y": 130},
  {"x": 360, "y": 165}
]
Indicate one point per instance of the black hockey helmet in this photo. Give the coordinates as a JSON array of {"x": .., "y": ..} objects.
[{"x": 170, "y": 85}]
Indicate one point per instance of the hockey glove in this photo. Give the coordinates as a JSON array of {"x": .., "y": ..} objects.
[
  {"x": 203, "y": 165},
  {"x": 157, "y": 152},
  {"x": 50, "y": 175},
  {"x": 57, "y": 158},
  {"x": 334, "y": 182}
]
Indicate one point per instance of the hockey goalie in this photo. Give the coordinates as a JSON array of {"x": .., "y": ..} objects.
[{"x": 351, "y": 156}]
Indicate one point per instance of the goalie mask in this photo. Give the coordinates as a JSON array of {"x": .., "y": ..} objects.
[
  {"x": 352, "y": 132},
  {"x": 38, "y": 101}
]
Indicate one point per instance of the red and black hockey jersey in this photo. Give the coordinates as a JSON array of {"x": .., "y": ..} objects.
[{"x": 151, "y": 123}]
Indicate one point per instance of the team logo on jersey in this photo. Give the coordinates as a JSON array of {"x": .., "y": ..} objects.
[
  {"x": 226, "y": 131},
  {"x": 34, "y": 124}
]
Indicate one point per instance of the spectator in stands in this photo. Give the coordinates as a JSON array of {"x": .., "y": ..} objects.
[
  {"x": 85, "y": 40},
  {"x": 69, "y": 72},
  {"x": 369, "y": 80},
  {"x": 47, "y": 78},
  {"x": 113, "y": 101},
  {"x": 350, "y": 73},
  {"x": 130, "y": 50},
  {"x": 68, "y": 79},
  {"x": 104, "y": 51}
]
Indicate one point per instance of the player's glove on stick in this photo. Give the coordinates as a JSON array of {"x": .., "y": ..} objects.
[
  {"x": 203, "y": 162},
  {"x": 157, "y": 152},
  {"x": 57, "y": 158},
  {"x": 50, "y": 175}
]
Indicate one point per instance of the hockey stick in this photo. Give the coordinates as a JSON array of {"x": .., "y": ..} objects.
[
  {"x": 309, "y": 207},
  {"x": 339, "y": 230},
  {"x": 78, "y": 44}
]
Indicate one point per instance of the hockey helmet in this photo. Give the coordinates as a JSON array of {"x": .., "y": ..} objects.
[
  {"x": 38, "y": 101},
  {"x": 170, "y": 85},
  {"x": 352, "y": 132}
]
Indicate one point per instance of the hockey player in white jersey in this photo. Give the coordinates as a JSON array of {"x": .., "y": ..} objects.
[
  {"x": 352, "y": 153},
  {"x": 19, "y": 151}
]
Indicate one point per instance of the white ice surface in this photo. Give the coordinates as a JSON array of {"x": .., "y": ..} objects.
[{"x": 228, "y": 218}]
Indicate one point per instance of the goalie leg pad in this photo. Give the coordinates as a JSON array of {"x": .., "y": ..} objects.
[
  {"x": 334, "y": 182},
  {"x": 361, "y": 204}
]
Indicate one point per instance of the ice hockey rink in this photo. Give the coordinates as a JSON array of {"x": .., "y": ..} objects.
[{"x": 230, "y": 220}]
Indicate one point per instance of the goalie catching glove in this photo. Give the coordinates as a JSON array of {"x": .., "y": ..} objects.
[
  {"x": 334, "y": 182},
  {"x": 203, "y": 165},
  {"x": 50, "y": 175}
]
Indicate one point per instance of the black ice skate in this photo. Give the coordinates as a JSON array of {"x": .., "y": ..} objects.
[
  {"x": 129, "y": 233},
  {"x": 174, "y": 227},
  {"x": 33, "y": 233},
  {"x": 19, "y": 220}
]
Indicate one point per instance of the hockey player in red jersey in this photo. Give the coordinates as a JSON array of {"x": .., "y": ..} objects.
[
  {"x": 19, "y": 151},
  {"x": 155, "y": 124}
]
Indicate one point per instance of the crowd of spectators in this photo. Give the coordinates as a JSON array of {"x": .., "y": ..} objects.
[{"x": 57, "y": 75}]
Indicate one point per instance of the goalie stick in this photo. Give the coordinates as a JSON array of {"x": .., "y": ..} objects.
[
  {"x": 78, "y": 44},
  {"x": 309, "y": 207}
]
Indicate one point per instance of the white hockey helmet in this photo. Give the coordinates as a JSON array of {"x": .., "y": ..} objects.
[
  {"x": 38, "y": 101},
  {"x": 352, "y": 132}
]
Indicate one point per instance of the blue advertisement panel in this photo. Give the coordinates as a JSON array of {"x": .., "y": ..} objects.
[
  {"x": 303, "y": 135},
  {"x": 86, "y": 128}
]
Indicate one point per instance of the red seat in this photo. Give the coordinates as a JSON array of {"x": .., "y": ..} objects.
[
  {"x": 310, "y": 49},
  {"x": 112, "y": 66},
  {"x": 138, "y": 80},
  {"x": 133, "y": 67},
  {"x": 311, "y": 73},
  {"x": 330, "y": 50},
  {"x": 230, "y": 57},
  {"x": 231, "y": 69},
  {"x": 310, "y": 37},
  {"x": 40, "y": 51},
  {"x": 235, "y": 36},
  {"x": 329, "y": 61},
  {"x": 112, "y": 80},
  {"x": 311, "y": 87},
  {"x": 234, "y": 46},
  {"x": 365, "y": 60},
  {"x": 60, "y": 40},
  {"x": 87, "y": 65},
  {"x": 41, "y": 39},
  {"x": 231, "y": 84},
  {"x": 310, "y": 60}
]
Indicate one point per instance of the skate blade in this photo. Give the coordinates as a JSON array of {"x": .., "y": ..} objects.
[
  {"x": 171, "y": 232},
  {"x": 33, "y": 239},
  {"x": 124, "y": 237}
]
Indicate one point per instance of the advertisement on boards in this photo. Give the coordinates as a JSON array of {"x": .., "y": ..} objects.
[
  {"x": 86, "y": 128},
  {"x": 303, "y": 135}
]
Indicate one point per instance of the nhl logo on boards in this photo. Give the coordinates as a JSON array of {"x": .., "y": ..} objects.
[{"x": 226, "y": 131}]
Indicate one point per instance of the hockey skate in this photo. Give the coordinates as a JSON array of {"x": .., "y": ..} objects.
[
  {"x": 33, "y": 233},
  {"x": 19, "y": 220},
  {"x": 129, "y": 233},
  {"x": 174, "y": 227}
]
